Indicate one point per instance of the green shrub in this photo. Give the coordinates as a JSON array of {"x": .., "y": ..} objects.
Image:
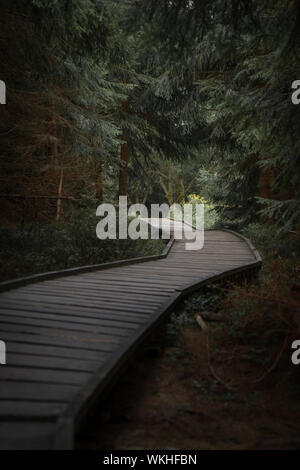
[{"x": 36, "y": 248}]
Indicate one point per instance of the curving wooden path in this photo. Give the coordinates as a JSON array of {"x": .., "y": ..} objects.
[{"x": 69, "y": 333}]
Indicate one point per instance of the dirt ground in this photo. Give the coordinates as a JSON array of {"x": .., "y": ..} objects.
[{"x": 174, "y": 401}]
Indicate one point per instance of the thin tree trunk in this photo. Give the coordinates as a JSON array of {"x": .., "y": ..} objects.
[
  {"x": 55, "y": 140},
  {"x": 180, "y": 190},
  {"x": 167, "y": 191},
  {"x": 55, "y": 155},
  {"x": 170, "y": 185},
  {"x": 124, "y": 158},
  {"x": 266, "y": 178},
  {"x": 99, "y": 183},
  {"x": 59, "y": 195}
]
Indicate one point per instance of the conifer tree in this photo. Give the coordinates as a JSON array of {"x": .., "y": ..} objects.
[{"x": 232, "y": 63}]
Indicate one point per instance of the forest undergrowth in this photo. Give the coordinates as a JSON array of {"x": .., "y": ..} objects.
[
  {"x": 231, "y": 385},
  {"x": 33, "y": 248}
]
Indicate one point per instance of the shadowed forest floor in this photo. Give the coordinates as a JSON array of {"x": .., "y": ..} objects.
[{"x": 173, "y": 401}]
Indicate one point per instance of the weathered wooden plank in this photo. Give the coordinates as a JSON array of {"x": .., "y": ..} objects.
[
  {"x": 122, "y": 275},
  {"x": 150, "y": 281},
  {"x": 64, "y": 341},
  {"x": 26, "y": 374},
  {"x": 30, "y": 409},
  {"x": 24, "y": 344},
  {"x": 96, "y": 292},
  {"x": 62, "y": 326},
  {"x": 41, "y": 392},
  {"x": 61, "y": 303},
  {"x": 124, "y": 278},
  {"x": 98, "y": 297},
  {"x": 178, "y": 266},
  {"x": 160, "y": 274},
  {"x": 27, "y": 435},
  {"x": 186, "y": 271},
  {"x": 77, "y": 336},
  {"x": 88, "y": 312},
  {"x": 118, "y": 326},
  {"x": 106, "y": 284},
  {"x": 55, "y": 363},
  {"x": 115, "y": 288},
  {"x": 209, "y": 251}
]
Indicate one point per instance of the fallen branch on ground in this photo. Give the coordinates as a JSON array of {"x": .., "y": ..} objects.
[
  {"x": 211, "y": 316},
  {"x": 201, "y": 323}
]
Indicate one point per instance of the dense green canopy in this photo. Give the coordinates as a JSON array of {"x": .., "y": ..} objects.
[{"x": 107, "y": 98}]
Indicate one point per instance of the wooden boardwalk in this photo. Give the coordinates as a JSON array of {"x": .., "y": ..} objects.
[{"x": 68, "y": 334}]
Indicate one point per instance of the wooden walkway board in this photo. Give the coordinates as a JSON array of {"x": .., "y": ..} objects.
[{"x": 67, "y": 337}]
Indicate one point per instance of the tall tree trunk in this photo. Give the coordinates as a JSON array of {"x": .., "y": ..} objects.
[
  {"x": 180, "y": 190},
  {"x": 59, "y": 195},
  {"x": 55, "y": 160},
  {"x": 54, "y": 155},
  {"x": 124, "y": 158},
  {"x": 167, "y": 191},
  {"x": 99, "y": 182},
  {"x": 266, "y": 178},
  {"x": 170, "y": 194}
]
